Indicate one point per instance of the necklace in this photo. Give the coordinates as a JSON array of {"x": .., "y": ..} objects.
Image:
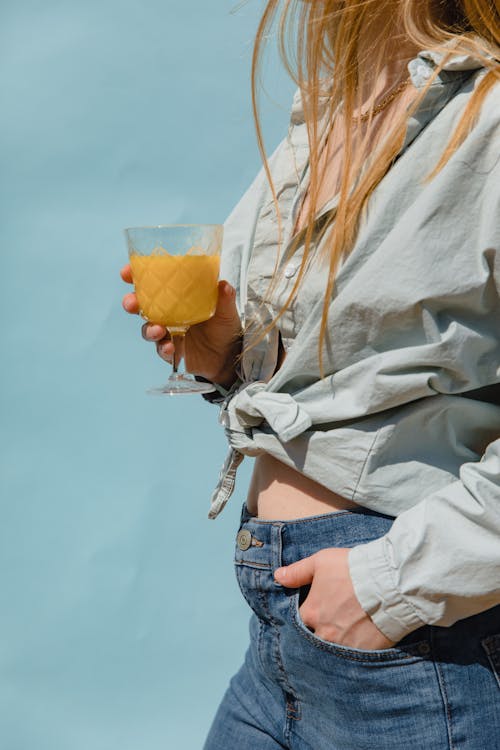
[{"x": 388, "y": 98}]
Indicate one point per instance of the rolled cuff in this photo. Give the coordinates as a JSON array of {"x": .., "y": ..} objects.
[
  {"x": 375, "y": 588},
  {"x": 220, "y": 394}
]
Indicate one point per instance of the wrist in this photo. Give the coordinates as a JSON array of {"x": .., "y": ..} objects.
[{"x": 227, "y": 375}]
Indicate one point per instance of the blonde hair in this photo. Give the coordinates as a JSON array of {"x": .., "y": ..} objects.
[{"x": 318, "y": 36}]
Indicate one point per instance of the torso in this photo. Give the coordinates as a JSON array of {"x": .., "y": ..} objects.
[{"x": 278, "y": 491}]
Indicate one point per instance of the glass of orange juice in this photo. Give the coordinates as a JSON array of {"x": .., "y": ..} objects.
[{"x": 175, "y": 269}]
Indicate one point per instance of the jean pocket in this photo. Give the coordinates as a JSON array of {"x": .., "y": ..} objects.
[
  {"x": 491, "y": 645},
  {"x": 414, "y": 647}
]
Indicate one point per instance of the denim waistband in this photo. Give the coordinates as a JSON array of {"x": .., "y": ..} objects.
[
  {"x": 271, "y": 543},
  {"x": 274, "y": 543}
]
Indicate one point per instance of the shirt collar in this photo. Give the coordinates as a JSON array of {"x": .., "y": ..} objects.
[{"x": 422, "y": 67}]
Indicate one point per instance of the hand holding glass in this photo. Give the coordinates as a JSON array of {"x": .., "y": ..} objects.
[{"x": 175, "y": 269}]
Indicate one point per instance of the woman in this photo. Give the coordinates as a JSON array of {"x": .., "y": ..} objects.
[{"x": 363, "y": 266}]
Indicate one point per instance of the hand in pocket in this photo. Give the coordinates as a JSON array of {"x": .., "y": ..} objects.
[{"x": 331, "y": 609}]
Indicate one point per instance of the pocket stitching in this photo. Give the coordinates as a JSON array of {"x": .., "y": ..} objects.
[
  {"x": 251, "y": 564},
  {"x": 392, "y": 654}
]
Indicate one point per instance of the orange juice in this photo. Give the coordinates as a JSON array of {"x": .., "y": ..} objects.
[{"x": 175, "y": 291}]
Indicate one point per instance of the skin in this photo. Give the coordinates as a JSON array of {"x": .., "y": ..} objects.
[
  {"x": 331, "y": 608},
  {"x": 210, "y": 348}
]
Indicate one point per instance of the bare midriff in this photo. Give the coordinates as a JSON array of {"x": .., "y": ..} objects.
[{"x": 279, "y": 492}]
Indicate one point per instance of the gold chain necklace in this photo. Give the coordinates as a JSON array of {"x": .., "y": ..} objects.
[{"x": 384, "y": 103}]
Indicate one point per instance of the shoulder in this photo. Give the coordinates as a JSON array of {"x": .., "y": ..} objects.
[
  {"x": 490, "y": 110},
  {"x": 480, "y": 152}
]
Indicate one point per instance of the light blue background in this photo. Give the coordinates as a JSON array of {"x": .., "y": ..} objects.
[{"x": 120, "y": 619}]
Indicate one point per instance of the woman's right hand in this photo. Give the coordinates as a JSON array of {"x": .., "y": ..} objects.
[{"x": 210, "y": 348}]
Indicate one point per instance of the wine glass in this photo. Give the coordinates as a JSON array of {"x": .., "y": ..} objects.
[{"x": 175, "y": 270}]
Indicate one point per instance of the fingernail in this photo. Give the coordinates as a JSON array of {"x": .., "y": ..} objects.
[{"x": 280, "y": 572}]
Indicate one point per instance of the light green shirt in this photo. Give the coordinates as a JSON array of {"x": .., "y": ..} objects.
[{"x": 414, "y": 324}]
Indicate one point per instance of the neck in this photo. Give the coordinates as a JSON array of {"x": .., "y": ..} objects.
[{"x": 384, "y": 53}]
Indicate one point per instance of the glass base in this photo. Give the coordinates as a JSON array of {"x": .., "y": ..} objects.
[{"x": 180, "y": 384}]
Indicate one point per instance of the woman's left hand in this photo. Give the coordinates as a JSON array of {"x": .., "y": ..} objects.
[{"x": 331, "y": 608}]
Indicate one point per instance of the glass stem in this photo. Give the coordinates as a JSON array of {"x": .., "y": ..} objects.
[{"x": 177, "y": 340}]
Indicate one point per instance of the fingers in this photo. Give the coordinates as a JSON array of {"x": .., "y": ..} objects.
[
  {"x": 126, "y": 274},
  {"x": 158, "y": 334},
  {"x": 165, "y": 350},
  {"x": 153, "y": 332},
  {"x": 226, "y": 301},
  {"x": 150, "y": 331},
  {"x": 130, "y": 303},
  {"x": 297, "y": 574}
]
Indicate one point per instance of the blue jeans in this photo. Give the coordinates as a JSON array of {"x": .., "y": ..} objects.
[{"x": 437, "y": 689}]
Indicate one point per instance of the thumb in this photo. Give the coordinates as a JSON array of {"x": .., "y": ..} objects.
[
  {"x": 226, "y": 301},
  {"x": 297, "y": 574}
]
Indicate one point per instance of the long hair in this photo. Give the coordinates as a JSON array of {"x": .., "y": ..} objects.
[{"x": 319, "y": 45}]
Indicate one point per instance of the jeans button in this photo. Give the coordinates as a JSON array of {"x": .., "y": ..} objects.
[{"x": 244, "y": 539}]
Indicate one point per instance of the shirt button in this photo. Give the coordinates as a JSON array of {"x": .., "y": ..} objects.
[
  {"x": 424, "y": 648},
  {"x": 290, "y": 271},
  {"x": 244, "y": 539}
]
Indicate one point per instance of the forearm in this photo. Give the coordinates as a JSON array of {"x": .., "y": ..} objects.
[
  {"x": 228, "y": 372},
  {"x": 440, "y": 562}
]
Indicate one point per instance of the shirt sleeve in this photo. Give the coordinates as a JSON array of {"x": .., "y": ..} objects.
[
  {"x": 239, "y": 230},
  {"x": 238, "y": 237},
  {"x": 440, "y": 561}
]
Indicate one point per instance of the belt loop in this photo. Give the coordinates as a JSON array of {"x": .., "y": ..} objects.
[{"x": 276, "y": 547}]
